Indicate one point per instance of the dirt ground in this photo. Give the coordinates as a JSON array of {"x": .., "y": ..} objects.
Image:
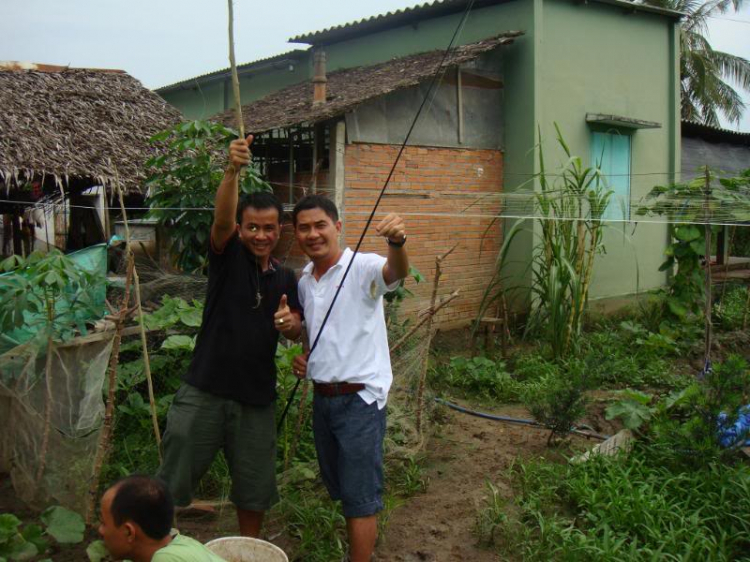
[{"x": 434, "y": 526}]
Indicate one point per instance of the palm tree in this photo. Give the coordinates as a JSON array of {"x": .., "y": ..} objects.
[{"x": 704, "y": 72}]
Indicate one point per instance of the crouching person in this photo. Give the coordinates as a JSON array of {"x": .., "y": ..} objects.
[{"x": 136, "y": 519}]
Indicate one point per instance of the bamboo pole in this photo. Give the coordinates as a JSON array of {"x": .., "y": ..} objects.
[
  {"x": 139, "y": 308},
  {"x": 428, "y": 342},
  {"x": 707, "y": 257},
  {"x": 105, "y": 437},
  {"x": 48, "y": 396},
  {"x": 235, "y": 77}
]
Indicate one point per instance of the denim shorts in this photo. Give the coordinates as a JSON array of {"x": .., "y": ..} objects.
[{"x": 349, "y": 441}]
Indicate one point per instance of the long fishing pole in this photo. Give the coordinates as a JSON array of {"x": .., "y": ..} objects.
[{"x": 430, "y": 89}]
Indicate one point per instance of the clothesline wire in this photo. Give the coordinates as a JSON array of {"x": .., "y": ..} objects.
[{"x": 718, "y": 218}]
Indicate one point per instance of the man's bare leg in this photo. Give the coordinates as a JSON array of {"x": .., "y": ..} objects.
[
  {"x": 250, "y": 522},
  {"x": 363, "y": 532}
]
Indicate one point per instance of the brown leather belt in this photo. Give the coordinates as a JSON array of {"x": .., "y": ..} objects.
[{"x": 337, "y": 388}]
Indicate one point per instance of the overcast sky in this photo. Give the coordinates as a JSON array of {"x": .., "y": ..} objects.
[{"x": 164, "y": 41}]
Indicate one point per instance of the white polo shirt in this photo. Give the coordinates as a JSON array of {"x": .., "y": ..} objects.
[{"x": 353, "y": 346}]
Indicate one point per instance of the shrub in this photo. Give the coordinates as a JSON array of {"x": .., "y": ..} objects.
[
  {"x": 480, "y": 376},
  {"x": 557, "y": 401},
  {"x": 688, "y": 432},
  {"x": 729, "y": 313}
]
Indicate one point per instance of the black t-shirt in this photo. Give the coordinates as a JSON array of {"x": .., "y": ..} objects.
[{"x": 235, "y": 351}]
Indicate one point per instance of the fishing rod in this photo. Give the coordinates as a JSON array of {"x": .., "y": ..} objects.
[{"x": 436, "y": 77}]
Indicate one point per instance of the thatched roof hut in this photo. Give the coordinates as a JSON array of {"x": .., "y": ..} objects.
[{"x": 76, "y": 126}]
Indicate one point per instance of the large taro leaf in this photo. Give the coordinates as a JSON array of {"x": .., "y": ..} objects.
[{"x": 65, "y": 526}]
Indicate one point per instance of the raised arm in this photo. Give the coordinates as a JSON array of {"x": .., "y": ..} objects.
[
  {"x": 392, "y": 229},
  {"x": 225, "y": 207}
]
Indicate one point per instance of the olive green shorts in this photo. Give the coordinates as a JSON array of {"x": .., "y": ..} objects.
[{"x": 198, "y": 425}]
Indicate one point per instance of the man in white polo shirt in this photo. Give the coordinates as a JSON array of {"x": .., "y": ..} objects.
[{"x": 350, "y": 365}]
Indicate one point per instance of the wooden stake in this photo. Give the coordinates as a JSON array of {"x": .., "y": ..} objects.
[
  {"x": 47, "y": 402},
  {"x": 430, "y": 318},
  {"x": 139, "y": 308},
  {"x": 707, "y": 257},
  {"x": 105, "y": 437}
]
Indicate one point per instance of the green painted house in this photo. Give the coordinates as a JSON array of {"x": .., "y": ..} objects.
[{"x": 606, "y": 71}]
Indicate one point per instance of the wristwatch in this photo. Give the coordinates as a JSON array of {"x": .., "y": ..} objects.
[{"x": 397, "y": 244}]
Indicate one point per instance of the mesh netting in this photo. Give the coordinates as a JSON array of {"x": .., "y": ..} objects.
[
  {"x": 409, "y": 364},
  {"x": 78, "y": 388},
  {"x": 58, "y": 468}
]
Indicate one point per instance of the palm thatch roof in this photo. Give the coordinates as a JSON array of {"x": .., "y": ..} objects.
[
  {"x": 76, "y": 125},
  {"x": 350, "y": 87}
]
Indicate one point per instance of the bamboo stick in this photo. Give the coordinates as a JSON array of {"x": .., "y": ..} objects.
[
  {"x": 430, "y": 318},
  {"x": 707, "y": 257},
  {"x": 139, "y": 308},
  {"x": 235, "y": 77},
  {"x": 47, "y": 399},
  {"x": 105, "y": 436}
]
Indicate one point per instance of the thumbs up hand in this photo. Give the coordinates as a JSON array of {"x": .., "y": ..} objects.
[{"x": 283, "y": 319}]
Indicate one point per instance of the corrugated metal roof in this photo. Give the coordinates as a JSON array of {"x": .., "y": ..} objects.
[
  {"x": 428, "y": 10},
  {"x": 714, "y": 134},
  {"x": 245, "y": 67}
]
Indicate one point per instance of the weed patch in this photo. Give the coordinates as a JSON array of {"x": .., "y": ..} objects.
[{"x": 625, "y": 508}]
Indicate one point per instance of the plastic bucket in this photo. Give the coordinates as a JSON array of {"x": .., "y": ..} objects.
[{"x": 246, "y": 549}]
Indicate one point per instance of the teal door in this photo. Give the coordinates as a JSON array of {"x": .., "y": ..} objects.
[{"x": 610, "y": 152}]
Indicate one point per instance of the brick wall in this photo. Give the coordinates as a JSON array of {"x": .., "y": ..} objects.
[
  {"x": 428, "y": 183},
  {"x": 287, "y": 250}
]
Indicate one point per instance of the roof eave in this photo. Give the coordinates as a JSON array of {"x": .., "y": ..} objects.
[{"x": 714, "y": 134}]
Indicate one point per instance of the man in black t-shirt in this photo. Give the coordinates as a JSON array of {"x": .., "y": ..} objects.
[{"x": 228, "y": 395}]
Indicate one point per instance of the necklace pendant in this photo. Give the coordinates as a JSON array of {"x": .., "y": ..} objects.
[{"x": 258, "y": 298}]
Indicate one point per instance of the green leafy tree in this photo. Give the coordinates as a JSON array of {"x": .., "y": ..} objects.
[
  {"x": 705, "y": 72},
  {"x": 48, "y": 294},
  {"x": 182, "y": 185},
  {"x": 692, "y": 207}
]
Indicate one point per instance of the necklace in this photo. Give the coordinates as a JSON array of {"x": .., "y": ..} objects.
[{"x": 258, "y": 296}]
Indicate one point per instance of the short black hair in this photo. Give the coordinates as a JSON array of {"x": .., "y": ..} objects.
[
  {"x": 315, "y": 202},
  {"x": 259, "y": 200},
  {"x": 146, "y": 501}
]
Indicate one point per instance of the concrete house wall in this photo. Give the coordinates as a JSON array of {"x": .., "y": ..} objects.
[{"x": 624, "y": 64}]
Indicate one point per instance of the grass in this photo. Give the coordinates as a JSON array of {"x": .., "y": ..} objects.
[
  {"x": 316, "y": 523},
  {"x": 622, "y": 508}
]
